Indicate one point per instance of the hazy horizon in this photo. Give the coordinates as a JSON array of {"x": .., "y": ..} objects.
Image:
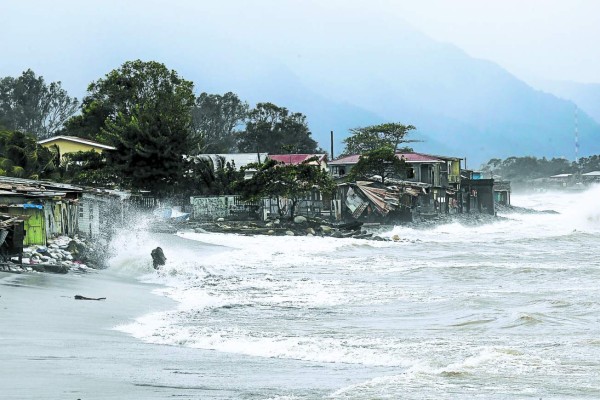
[
  {"x": 77, "y": 43},
  {"x": 444, "y": 67}
]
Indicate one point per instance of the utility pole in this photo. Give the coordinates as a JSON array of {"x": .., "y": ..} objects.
[{"x": 332, "y": 145}]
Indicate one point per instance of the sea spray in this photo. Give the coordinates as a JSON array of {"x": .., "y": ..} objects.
[{"x": 501, "y": 310}]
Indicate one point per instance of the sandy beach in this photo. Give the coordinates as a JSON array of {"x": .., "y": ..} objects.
[{"x": 57, "y": 347}]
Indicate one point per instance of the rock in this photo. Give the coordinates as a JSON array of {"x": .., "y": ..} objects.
[
  {"x": 221, "y": 219},
  {"x": 53, "y": 246},
  {"x": 309, "y": 234},
  {"x": 199, "y": 230},
  {"x": 290, "y": 233},
  {"x": 269, "y": 225},
  {"x": 326, "y": 229},
  {"x": 270, "y": 232},
  {"x": 158, "y": 257},
  {"x": 396, "y": 238},
  {"x": 299, "y": 219},
  {"x": 72, "y": 247},
  {"x": 310, "y": 231},
  {"x": 337, "y": 234}
]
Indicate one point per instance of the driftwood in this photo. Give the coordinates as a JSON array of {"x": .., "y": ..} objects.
[{"x": 79, "y": 297}]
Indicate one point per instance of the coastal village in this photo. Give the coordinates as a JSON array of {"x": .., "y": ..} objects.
[
  {"x": 51, "y": 226},
  {"x": 37, "y": 218}
]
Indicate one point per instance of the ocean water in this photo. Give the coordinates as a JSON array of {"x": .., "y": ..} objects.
[{"x": 507, "y": 310}]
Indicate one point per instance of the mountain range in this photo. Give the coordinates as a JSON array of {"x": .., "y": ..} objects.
[{"x": 461, "y": 106}]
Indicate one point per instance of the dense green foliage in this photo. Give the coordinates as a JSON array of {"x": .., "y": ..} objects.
[
  {"x": 148, "y": 120},
  {"x": 276, "y": 181},
  {"x": 362, "y": 140},
  {"x": 383, "y": 162},
  {"x": 87, "y": 168},
  {"x": 28, "y": 104},
  {"x": 202, "y": 177},
  {"x": 214, "y": 119},
  {"x": 522, "y": 169},
  {"x": 22, "y": 157},
  {"x": 269, "y": 128}
]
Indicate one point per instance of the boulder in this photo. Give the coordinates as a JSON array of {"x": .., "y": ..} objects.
[
  {"x": 299, "y": 219},
  {"x": 310, "y": 231},
  {"x": 269, "y": 225},
  {"x": 337, "y": 234},
  {"x": 326, "y": 229},
  {"x": 270, "y": 232},
  {"x": 277, "y": 222},
  {"x": 290, "y": 233},
  {"x": 309, "y": 234},
  {"x": 396, "y": 238},
  {"x": 221, "y": 219}
]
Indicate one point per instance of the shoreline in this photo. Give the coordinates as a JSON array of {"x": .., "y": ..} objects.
[
  {"x": 59, "y": 347},
  {"x": 355, "y": 229}
]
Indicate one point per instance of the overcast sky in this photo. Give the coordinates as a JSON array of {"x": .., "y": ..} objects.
[{"x": 78, "y": 41}]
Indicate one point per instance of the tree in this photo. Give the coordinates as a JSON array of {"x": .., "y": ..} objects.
[
  {"x": 276, "y": 181},
  {"x": 373, "y": 137},
  {"x": 383, "y": 162},
  {"x": 148, "y": 120},
  {"x": 28, "y": 104},
  {"x": 90, "y": 122},
  {"x": 22, "y": 157},
  {"x": 88, "y": 168},
  {"x": 214, "y": 119},
  {"x": 269, "y": 128}
]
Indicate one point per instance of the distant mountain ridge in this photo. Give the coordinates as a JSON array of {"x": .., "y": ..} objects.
[
  {"x": 585, "y": 95},
  {"x": 461, "y": 106}
]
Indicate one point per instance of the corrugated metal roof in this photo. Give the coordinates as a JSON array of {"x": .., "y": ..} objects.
[
  {"x": 37, "y": 184},
  {"x": 353, "y": 159},
  {"x": 409, "y": 157},
  {"x": 295, "y": 159},
  {"x": 77, "y": 140}
]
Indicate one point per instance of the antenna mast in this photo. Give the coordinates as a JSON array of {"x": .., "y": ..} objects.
[{"x": 576, "y": 137}]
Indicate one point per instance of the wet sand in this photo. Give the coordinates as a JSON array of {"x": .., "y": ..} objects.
[{"x": 56, "y": 347}]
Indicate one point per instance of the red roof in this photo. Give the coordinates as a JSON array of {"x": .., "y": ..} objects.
[
  {"x": 418, "y": 157},
  {"x": 409, "y": 157},
  {"x": 295, "y": 158}
]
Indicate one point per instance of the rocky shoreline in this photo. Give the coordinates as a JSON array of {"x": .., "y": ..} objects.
[
  {"x": 62, "y": 255},
  {"x": 302, "y": 226}
]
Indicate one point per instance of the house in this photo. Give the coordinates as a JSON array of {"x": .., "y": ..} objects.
[
  {"x": 372, "y": 201},
  {"x": 442, "y": 173},
  {"x": 502, "y": 192},
  {"x": 426, "y": 168},
  {"x": 295, "y": 159},
  {"x": 99, "y": 211},
  {"x": 238, "y": 160},
  {"x": 47, "y": 208},
  {"x": 591, "y": 177},
  {"x": 12, "y": 235},
  {"x": 73, "y": 144}
]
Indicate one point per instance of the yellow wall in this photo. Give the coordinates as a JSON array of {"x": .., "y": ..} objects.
[{"x": 66, "y": 146}]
